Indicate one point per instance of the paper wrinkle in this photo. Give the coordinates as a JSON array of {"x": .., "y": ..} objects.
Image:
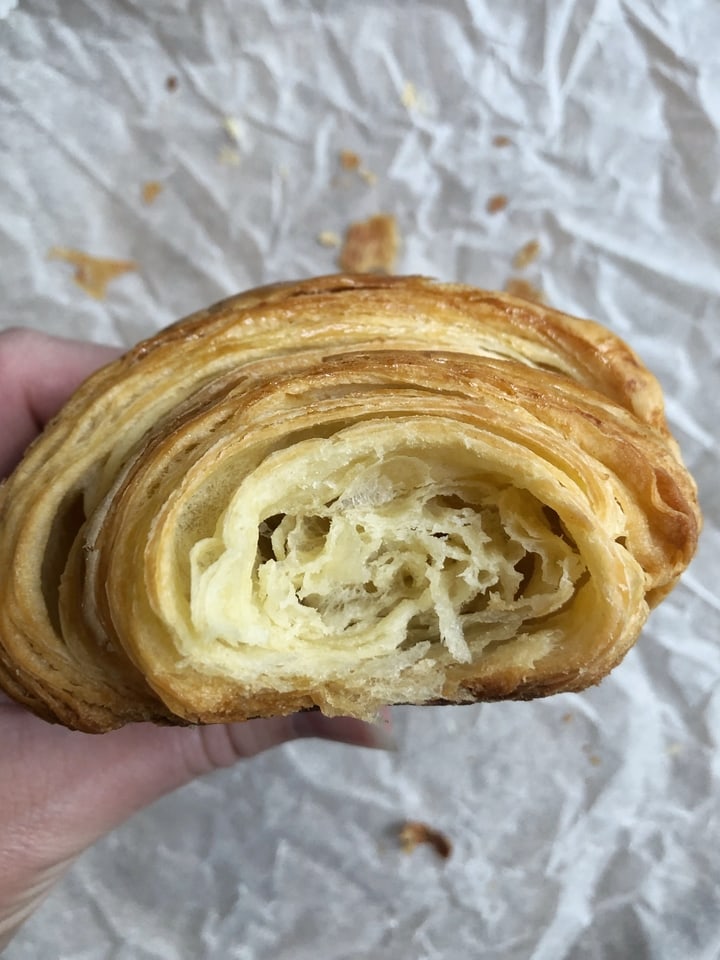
[{"x": 583, "y": 826}]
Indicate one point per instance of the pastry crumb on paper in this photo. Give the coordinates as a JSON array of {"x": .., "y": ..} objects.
[
  {"x": 502, "y": 141},
  {"x": 371, "y": 246},
  {"x": 228, "y": 156},
  {"x": 526, "y": 255},
  {"x": 349, "y": 160},
  {"x": 412, "y": 100},
  {"x": 328, "y": 238},
  {"x": 409, "y": 96},
  {"x": 172, "y": 83},
  {"x": 413, "y": 832},
  {"x": 368, "y": 176},
  {"x": 519, "y": 287},
  {"x": 151, "y": 190},
  {"x": 232, "y": 127},
  {"x": 93, "y": 274},
  {"x": 496, "y": 203}
]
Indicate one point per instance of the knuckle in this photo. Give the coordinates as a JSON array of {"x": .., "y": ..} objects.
[{"x": 210, "y": 748}]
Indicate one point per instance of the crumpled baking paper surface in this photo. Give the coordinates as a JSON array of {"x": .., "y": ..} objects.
[{"x": 585, "y": 826}]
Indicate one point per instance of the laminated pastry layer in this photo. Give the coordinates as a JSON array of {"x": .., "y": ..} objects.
[{"x": 341, "y": 493}]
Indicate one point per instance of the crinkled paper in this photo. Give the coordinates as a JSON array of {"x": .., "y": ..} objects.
[{"x": 584, "y": 826}]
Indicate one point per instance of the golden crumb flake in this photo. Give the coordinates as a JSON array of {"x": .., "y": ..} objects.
[
  {"x": 497, "y": 203},
  {"x": 527, "y": 254},
  {"x": 349, "y": 160},
  {"x": 151, "y": 190},
  {"x": 371, "y": 246},
  {"x": 502, "y": 141},
  {"x": 93, "y": 274},
  {"x": 413, "y": 832},
  {"x": 172, "y": 83},
  {"x": 519, "y": 287}
]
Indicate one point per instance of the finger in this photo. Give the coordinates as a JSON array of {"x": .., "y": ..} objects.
[
  {"x": 223, "y": 745},
  {"x": 156, "y": 760},
  {"x": 80, "y": 786},
  {"x": 37, "y": 375}
]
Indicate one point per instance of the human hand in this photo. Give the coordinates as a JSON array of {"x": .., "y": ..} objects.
[{"x": 61, "y": 790}]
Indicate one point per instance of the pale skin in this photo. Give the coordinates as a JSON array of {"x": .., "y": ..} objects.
[{"x": 61, "y": 790}]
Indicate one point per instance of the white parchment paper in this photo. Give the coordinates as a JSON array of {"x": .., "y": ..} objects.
[{"x": 585, "y": 826}]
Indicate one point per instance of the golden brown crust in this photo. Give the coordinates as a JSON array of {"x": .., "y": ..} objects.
[{"x": 548, "y": 512}]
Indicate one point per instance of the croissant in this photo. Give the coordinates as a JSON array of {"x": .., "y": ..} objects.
[{"x": 337, "y": 494}]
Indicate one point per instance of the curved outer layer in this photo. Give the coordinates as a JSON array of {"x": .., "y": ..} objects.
[{"x": 339, "y": 493}]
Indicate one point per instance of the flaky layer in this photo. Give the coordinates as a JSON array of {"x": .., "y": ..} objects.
[{"x": 341, "y": 493}]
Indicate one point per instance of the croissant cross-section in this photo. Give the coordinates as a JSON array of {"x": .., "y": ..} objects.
[{"x": 337, "y": 494}]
